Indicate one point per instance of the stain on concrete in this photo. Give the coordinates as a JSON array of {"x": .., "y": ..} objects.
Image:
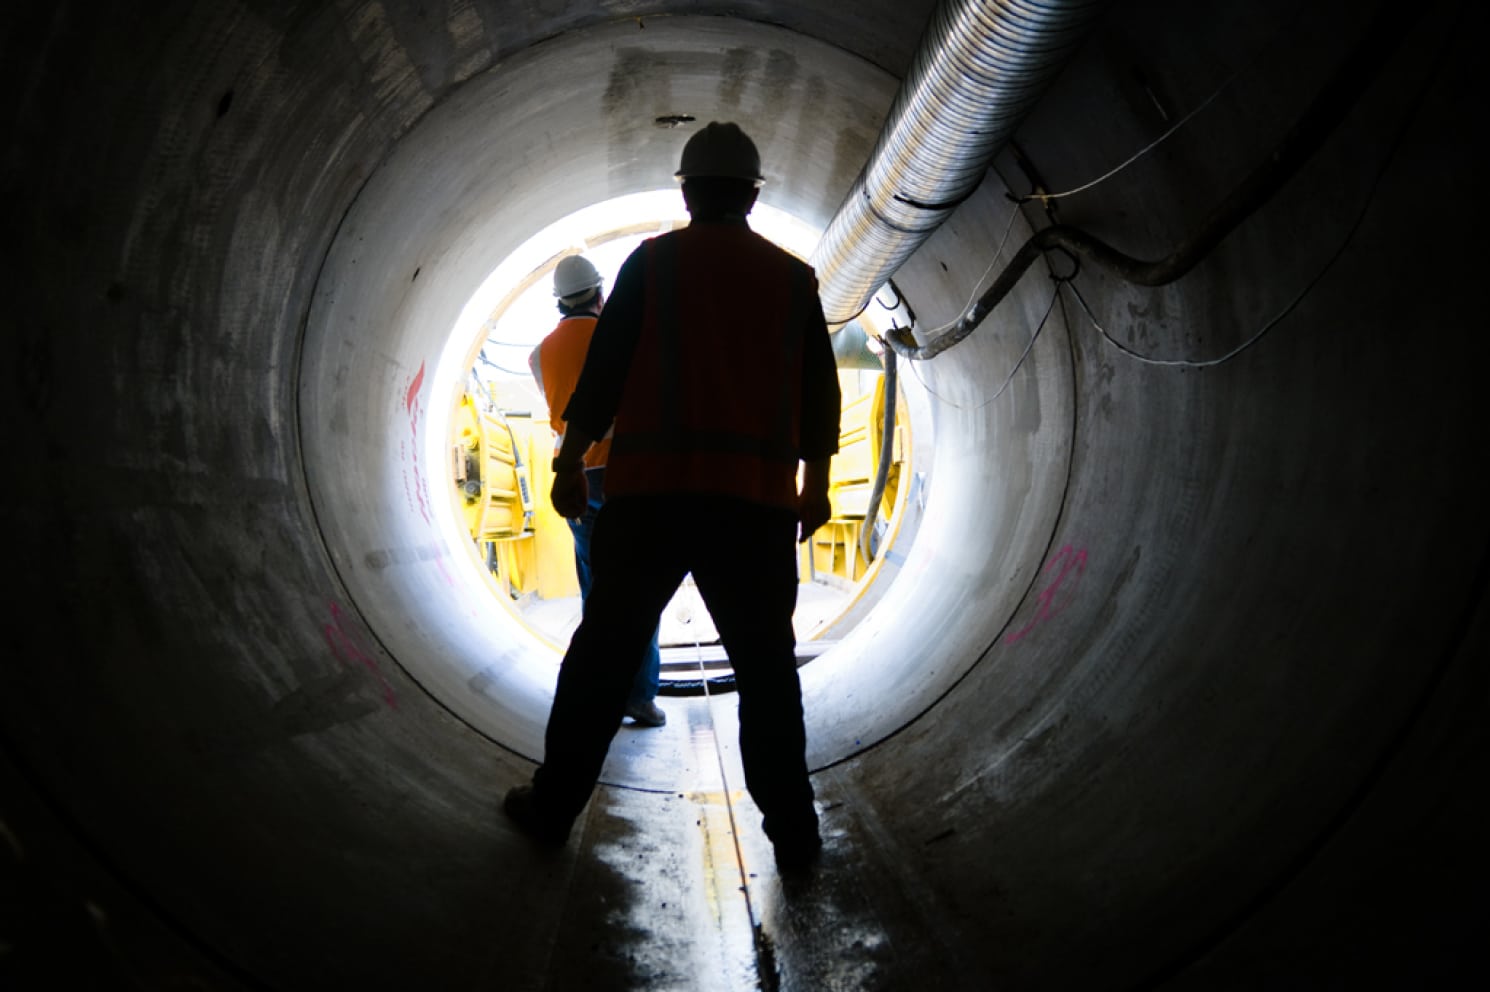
[
  {"x": 739, "y": 66},
  {"x": 325, "y": 702}
]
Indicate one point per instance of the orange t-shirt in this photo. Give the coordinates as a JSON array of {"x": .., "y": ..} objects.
[{"x": 561, "y": 356}]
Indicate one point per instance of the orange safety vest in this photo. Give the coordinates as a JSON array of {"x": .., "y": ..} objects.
[
  {"x": 712, "y": 400},
  {"x": 561, "y": 356}
]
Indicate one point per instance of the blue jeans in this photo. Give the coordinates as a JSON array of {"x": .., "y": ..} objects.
[{"x": 649, "y": 676}]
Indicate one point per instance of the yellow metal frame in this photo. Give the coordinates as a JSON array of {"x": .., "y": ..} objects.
[
  {"x": 501, "y": 465},
  {"x": 834, "y": 553}
]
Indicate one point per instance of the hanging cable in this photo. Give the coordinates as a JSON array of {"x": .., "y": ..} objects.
[
  {"x": 1054, "y": 298},
  {"x": 1393, "y": 146},
  {"x": 1283, "y": 29},
  {"x": 1297, "y": 145},
  {"x": 524, "y": 374},
  {"x": 997, "y": 254},
  {"x": 887, "y": 452},
  {"x": 1047, "y": 197}
]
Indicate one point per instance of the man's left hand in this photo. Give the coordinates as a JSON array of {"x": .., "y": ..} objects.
[{"x": 570, "y": 493}]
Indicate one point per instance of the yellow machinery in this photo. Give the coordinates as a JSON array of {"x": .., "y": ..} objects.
[
  {"x": 501, "y": 469},
  {"x": 494, "y": 456},
  {"x": 836, "y": 556}
]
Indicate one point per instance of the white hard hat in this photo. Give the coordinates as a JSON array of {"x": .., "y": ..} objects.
[
  {"x": 721, "y": 151},
  {"x": 574, "y": 276}
]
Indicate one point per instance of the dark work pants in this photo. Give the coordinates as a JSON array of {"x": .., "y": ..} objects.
[
  {"x": 744, "y": 563},
  {"x": 648, "y": 676}
]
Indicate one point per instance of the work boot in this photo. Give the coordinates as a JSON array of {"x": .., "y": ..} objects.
[
  {"x": 796, "y": 841},
  {"x": 796, "y": 855},
  {"x": 521, "y": 805},
  {"x": 648, "y": 714}
]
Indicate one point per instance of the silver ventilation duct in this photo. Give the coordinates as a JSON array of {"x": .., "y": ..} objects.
[{"x": 981, "y": 67}]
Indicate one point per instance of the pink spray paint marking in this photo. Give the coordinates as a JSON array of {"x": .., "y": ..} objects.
[
  {"x": 414, "y": 486},
  {"x": 1073, "y": 564},
  {"x": 411, "y": 396},
  {"x": 342, "y": 645}
]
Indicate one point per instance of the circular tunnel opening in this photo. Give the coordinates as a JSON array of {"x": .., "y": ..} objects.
[{"x": 381, "y": 376}]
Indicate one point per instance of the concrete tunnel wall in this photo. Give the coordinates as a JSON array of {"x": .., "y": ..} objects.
[{"x": 1181, "y": 682}]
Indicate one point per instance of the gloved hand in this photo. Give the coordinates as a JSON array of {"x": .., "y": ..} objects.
[{"x": 570, "y": 493}]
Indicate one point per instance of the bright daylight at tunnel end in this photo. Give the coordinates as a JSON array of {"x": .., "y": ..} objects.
[{"x": 500, "y": 444}]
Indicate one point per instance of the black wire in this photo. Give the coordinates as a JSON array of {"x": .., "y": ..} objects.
[
  {"x": 525, "y": 373},
  {"x": 1361, "y": 65},
  {"x": 887, "y": 446},
  {"x": 1415, "y": 107},
  {"x": 1009, "y": 378},
  {"x": 899, "y": 297}
]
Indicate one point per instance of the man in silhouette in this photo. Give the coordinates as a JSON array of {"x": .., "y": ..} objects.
[
  {"x": 712, "y": 363},
  {"x": 556, "y": 364}
]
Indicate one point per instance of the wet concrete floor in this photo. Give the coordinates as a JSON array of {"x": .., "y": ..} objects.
[{"x": 679, "y": 891}]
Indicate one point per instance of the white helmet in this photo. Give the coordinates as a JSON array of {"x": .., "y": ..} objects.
[
  {"x": 574, "y": 276},
  {"x": 722, "y": 151}
]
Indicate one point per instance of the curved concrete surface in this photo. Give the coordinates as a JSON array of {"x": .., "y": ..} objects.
[{"x": 1180, "y": 682}]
